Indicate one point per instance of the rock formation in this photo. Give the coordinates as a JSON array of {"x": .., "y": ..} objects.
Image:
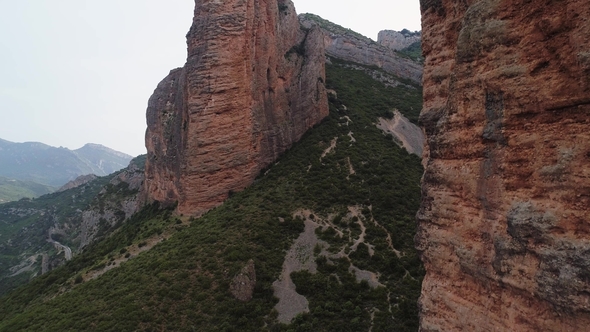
[
  {"x": 504, "y": 225},
  {"x": 348, "y": 45},
  {"x": 252, "y": 85},
  {"x": 79, "y": 181},
  {"x": 398, "y": 40},
  {"x": 243, "y": 284},
  {"x": 116, "y": 202},
  {"x": 56, "y": 226}
]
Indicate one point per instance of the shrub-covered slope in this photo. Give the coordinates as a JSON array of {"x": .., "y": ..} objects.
[
  {"x": 29, "y": 228},
  {"x": 346, "y": 178}
]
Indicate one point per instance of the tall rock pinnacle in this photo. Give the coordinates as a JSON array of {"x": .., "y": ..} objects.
[
  {"x": 252, "y": 85},
  {"x": 504, "y": 226}
]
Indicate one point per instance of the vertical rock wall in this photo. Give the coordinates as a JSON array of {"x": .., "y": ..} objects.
[
  {"x": 504, "y": 226},
  {"x": 252, "y": 85}
]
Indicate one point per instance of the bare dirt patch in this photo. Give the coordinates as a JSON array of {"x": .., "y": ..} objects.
[
  {"x": 330, "y": 148},
  {"x": 408, "y": 135},
  {"x": 351, "y": 170},
  {"x": 299, "y": 257}
]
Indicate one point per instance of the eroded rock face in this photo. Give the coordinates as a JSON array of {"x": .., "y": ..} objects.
[
  {"x": 252, "y": 85},
  {"x": 398, "y": 40},
  {"x": 116, "y": 202},
  {"x": 504, "y": 226},
  {"x": 79, "y": 181},
  {"x": 243, "y": 284},
  {"x": 348, "y": 45}
]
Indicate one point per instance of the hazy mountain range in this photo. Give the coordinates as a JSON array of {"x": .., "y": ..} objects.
[{"x": 30, "y": 169}]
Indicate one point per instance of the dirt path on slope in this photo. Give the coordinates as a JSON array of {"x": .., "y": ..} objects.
[{"x": 330, "y": 148}]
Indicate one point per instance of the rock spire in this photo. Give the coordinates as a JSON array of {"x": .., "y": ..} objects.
[{"x": 252, "y": 85}]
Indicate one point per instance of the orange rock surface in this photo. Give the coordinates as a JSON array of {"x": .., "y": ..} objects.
[
  {"x": 504, "y": 226},
  {"x": 252, "y": 85}
]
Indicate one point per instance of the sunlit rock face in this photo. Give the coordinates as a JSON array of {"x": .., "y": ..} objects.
[
  {"x": 252, "y": 85},
  {"x": 505, "y": 218}
]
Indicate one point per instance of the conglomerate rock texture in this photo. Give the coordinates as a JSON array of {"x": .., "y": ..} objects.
[
  {"x": 504, "y": 226},
  {"x": 252, "y": 85}
]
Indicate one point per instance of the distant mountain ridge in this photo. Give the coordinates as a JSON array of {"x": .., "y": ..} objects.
[{"x": 48, "y": 165}]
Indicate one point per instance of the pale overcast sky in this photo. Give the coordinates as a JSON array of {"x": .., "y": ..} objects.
[{"x": 81, "y": 71}]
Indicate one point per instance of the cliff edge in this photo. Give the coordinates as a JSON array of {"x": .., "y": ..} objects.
[
  {"x": 347, "y": 45},
  {"x": 252, "y": 85},
  {"x": 504, "y": 225},
  {"x": 398, "y": 40}
]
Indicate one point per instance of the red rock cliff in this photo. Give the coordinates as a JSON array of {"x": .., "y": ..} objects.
[
  {"x": 504, "y": 226},
  {"x": 252, "y": 85}
]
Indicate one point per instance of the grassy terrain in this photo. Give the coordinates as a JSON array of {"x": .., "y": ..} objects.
[
  {"x": 360, "y": 91},
  {"x": 13, "y": 190},
  {"x": 182, "y": 284}
]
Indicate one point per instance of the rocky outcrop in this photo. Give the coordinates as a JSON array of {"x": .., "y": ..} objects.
[
  {"x": 398, "y": 40},
  {"x": 116, "y": 202},
  {"x": 347, "y": 45},
  {"x": 252, "y": 85},
  {"x": 243, "y": 284},
  {"x": 504, "y": 227},
  {"x": 79, "y": 181}
]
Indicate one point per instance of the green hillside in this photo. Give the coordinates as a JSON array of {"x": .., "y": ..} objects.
[
  {"x": 13, "y": 190},
  {"x": 26, "y": 225},
  {"x": 24, "y": 228},
  {"x": 354, "y": 183}
]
